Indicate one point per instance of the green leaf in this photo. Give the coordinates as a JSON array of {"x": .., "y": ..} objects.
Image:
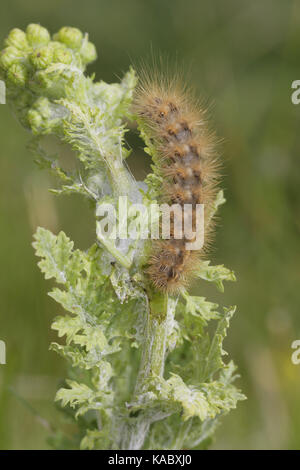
[
  {"x": 219, "y": 201},
  {"x": 83, "y": 398},
  {"x": 67, "y": 326},
  {"x": 196, "y": 313},
  {"x": 192, "y": 401},
  {"x": 55, "y": 253},
  {"x": 216, "y": 274},
  {"x": 212, "y": 350},
  {"x": 95, "y": 439}
]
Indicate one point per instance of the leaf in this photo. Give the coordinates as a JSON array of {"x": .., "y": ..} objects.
[
  {"x": 196, "y": 312},
  {"x": 216, "y": 274},
  {"x": 95, "y": 439},
  {"x": 75, "y": 395},
  {"x": 67, "y": 326},
  {"x": 204, "y": 401},
  {"x": 192, "y": 401},
  {"x": 59, "y": 261},
  {"x": 82, "y": 397},
  {"x": 219, "y": 201},
  {"x": 212, "y": 350},
  {"x": 55, "y": 253}
]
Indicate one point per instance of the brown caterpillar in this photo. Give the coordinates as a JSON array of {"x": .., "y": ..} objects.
[{"x": 187, "y": 161}]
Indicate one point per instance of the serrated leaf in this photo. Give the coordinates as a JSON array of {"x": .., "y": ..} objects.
[
  {"x": 67, "y": 326},
  {"x": 84, "y": 398},
  {"x": 216, "y": 274},
  {"x": 212, "y": 350},
  {"x": 193, "y": 401},
  {"x": 196, "y": 312},
  {"x": 219, "y": 201},
  {"x": 55, "y": 253}
]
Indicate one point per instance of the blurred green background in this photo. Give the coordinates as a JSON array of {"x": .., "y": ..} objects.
[{"x": 242, "y": 57}]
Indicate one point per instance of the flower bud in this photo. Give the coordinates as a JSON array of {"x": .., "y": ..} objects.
[
  {"x": 9, "y": 56},
  {"x": 41, "y": 79},
  {"x": 43, "y": 107},
  {"x": 17, "y": 74},
  {"x": 88, "y": 52},
  {"x": 61, "y": 54},
  {"x": 41, "y": 57},
  {"x": 34, "y": 120},
  {"x": 72, "y": 37},
  {"x": 17, "y": 38},
  {"x": 37, "y": 35}
]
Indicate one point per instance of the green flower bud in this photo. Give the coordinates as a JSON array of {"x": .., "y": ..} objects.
[
  {"x": 43, "y": 107},
  {"x": 72, "y": 37},
  {"x": 61, "y": 54},
  {"x": 41, "y": 79},
  {"x": 17, "y": 74},
  {"x": 34, "y": 120},
  {"x": 37, "y": 35},
  {"x": 41, "y": 57},
  {"x": 88, "y": 52},
  {"x": 9, "y": 56},
  {"x": 17, "y": 38},
  {"x": 48, "y": 84}
]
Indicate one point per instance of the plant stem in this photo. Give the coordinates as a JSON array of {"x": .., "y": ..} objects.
[
  {"x": 153, "y": 354},
  {"x": 113, "y": 250},
  {"x": 119, "y": 178},
  {"x": 159, "y": 323}
]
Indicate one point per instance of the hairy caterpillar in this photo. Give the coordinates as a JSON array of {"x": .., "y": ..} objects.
[{"x": 187, "y": 161}]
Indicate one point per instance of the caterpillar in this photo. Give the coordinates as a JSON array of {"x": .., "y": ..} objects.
[{"x": 188, "y": 163}]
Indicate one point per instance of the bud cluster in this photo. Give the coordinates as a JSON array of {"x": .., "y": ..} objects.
[{"x": 39, "y": 70}]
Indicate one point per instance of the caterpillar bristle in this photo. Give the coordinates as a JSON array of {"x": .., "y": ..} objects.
[{"x": 189, "y": 165}]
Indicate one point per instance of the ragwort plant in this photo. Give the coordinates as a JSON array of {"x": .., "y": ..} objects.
[{"x": 144, "y": 372}]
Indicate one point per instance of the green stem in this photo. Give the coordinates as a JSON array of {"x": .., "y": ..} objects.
[
  {"x": 113, "y": 250},
  {"x": 120, "y": 181},
  {"x": 159, "y": 322},
  {"x": 119, "y": 177},
  {"x": 153, "y": 354}
]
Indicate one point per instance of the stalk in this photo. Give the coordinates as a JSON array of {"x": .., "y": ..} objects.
[
  {"x": 119, "y": 177},
  {"x": 158, "y": 324},
  {"x": 159, "y": 321}
]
